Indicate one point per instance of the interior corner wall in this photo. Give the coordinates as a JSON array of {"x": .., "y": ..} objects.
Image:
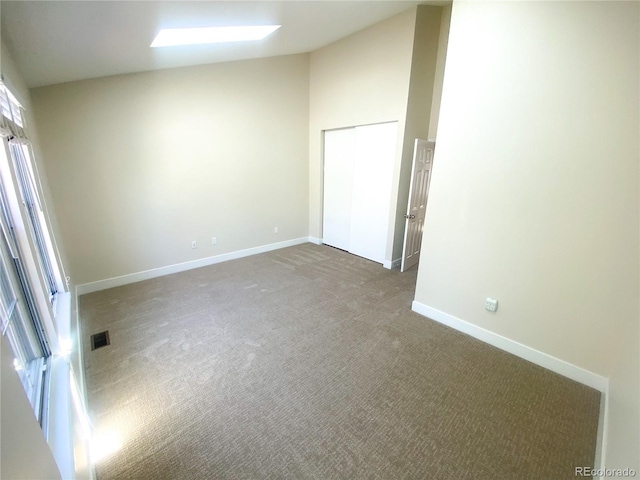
[
  {"x": 142, "y": 164},
  {"x": 445, "y": 21},
  {"x": 419, "y": 106},
  {"x": 535, "y": 189},
  {"x": 359, "y": 80}
]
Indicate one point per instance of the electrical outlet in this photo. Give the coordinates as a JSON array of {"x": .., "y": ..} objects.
[
  {"x": 214, "y": 241},
  {"x": 194, "y": 244},
  {"x": 275, "y": 229},
  {"x": 491, "y": 304}
]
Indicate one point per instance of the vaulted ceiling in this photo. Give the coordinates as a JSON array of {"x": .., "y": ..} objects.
[{"x": 62, "y": 41}]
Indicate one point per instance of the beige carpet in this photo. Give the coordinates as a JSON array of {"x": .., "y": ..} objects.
[{"x": 307, "y": 363}]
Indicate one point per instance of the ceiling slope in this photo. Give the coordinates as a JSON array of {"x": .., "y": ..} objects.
[{"x": 62, "y": 41}]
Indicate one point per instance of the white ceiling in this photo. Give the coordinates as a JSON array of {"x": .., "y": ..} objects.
[{"x": 62, "y": 41}]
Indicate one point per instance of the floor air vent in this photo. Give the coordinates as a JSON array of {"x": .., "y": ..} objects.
[{"x": 99, "y": 340}]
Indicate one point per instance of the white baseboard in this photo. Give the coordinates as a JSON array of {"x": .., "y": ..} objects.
[
  {"x": 391, "y": 265},
  {"x": 316, "y": 240},
  {"x": 542, "y": 359},
  {"x": 603, "y": 430},
  {"x": 181, "y": 267}
]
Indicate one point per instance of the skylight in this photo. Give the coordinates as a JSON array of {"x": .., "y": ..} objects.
[{"x": 193, "y": 36}]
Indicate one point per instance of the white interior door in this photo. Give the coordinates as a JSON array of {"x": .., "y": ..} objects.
[
  {"x": 418, "y": 195},
  {"x": 339, "y": 154},
  {"x": 371, "y": 196}
]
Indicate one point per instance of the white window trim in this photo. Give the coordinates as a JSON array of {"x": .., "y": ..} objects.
[
  {"x": 56, "y": 317},
  {"x": 27, "y": 247}
]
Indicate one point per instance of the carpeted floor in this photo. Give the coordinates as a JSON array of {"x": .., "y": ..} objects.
[{"x": 308, "y": 363}]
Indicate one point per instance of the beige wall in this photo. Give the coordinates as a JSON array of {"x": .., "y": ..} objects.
[
  {"x": 445, "y": 20},
  {"x": 141, "y": 164},
  {"x": 419, "y": 106},
  {"x": 359, "y": 80},
  {"x": 535, "y": 190}
]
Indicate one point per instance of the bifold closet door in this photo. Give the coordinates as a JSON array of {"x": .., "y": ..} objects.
[{"x": 358, "y": 171}]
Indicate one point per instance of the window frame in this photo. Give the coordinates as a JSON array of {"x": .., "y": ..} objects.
[
  {"x": 25, "y": 177},
  {"x": 16, "y": 176}
]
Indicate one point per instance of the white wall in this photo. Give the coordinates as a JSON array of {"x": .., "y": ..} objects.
[
  {"x": 359, "y": 80},
  {"x": 25, "y": 453},
  {"x": 144, "y": 163},
  {"x": 535, "y": 189}
]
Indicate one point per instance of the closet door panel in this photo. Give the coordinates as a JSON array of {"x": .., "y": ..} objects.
[
  {"x": 375, "y": 149},
  {"x": 339, "y": 155}
]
